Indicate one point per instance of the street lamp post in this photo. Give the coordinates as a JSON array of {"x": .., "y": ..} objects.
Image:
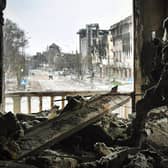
[
  {"x": 22, "y": 79},
  {"x": 101, "y": 70}
]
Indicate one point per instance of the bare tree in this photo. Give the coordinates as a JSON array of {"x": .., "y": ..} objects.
[{"x": 15, "y": 42}]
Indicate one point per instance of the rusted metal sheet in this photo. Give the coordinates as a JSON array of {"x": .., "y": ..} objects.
[{"x": 53, "y": 131}]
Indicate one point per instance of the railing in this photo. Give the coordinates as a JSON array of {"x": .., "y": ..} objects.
[{"x": 17, "y": 96}]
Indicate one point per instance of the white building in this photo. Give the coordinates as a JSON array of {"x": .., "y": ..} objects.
[{"x": 122, "y": 49}]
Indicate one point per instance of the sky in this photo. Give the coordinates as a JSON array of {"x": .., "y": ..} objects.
[{"x": 58, "y": 21}]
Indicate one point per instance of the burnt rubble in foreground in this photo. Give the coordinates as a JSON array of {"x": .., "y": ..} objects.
[{"x": 83, "y": 135}]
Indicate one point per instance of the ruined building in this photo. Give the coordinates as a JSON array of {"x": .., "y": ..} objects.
[
  {"x": 122, "y": 57},
  {"x": 93, "y": 48},
  {"x": 108, "y": 52},
  {"x": 52, "y": 53}
]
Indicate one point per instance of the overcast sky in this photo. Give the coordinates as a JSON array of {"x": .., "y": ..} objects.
[{"x": 48, "y": 21}]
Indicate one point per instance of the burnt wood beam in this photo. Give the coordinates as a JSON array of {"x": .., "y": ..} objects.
[{"x": 53, "y": 131}]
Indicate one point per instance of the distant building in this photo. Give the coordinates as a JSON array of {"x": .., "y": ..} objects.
[
  {"x": 52, "y": 54},
  {"x": 108, "y": 52},
  {"x": 37, "y": 61},
  {"x": 46, "y": 59},
  {"x": 122, "y": 56},
  {"x": 69, "y": 63},
  {"x": 54, "y": 60},
  {"x": 93, "y": 44}
]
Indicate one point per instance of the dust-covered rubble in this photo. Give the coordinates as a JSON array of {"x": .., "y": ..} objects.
[{"x": 96, "y": 146}]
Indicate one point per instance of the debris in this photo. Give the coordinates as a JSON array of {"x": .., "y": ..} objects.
[
  {"x": 85, "y": 137},
  {"x": 82, "y": 143},
  {"x": 114, "y": 159},
  {"x": 9, "y": 133},
  {"x": 116, "y": 127},
  {"x": 12, "y": 130},
  {"x": 50, "y": 132},
  {"x": 10, "y": 164},
  {"x": 54, "y": 112},
  {"x": 52, "y": 159},
  {"x": 102, "y": 149},
  {"x": 157, "y": 127}
]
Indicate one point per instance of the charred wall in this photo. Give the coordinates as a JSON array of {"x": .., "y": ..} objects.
[
  {"x": 148, "y": 17},
  {"x": 2, "y": 7}
]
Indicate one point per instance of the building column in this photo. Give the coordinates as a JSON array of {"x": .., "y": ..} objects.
[
  {"x": 138, "y": 44},
  {"x": 2, "y": 7}
]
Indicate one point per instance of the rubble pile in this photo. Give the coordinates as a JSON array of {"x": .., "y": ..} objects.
[
  {"x": 117, "y": 128},
  {"x": 103, "y": 142},
  {"x": 157, "y": 128}
]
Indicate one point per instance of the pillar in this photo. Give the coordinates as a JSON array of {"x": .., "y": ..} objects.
[
  {"x": 2, "y": 7},
  {"x": 17, "y": 104}
]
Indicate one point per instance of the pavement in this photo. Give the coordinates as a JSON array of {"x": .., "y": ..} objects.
[{"x": 40, "y": 82}]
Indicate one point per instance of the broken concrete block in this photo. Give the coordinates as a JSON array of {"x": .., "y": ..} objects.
[
  {"x": 52, "y": 159},
  {"x": 138, "y": 160},
  {"x": 11, "y": 127},
  {"x": 157, "y": 127},
  {"x": 101, "y": 149}
]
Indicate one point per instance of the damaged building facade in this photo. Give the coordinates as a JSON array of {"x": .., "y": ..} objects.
[
  {"x": 108, "y": 53},
  {"x": 122, "y": 55},
  {"x": 93, "y": 48}
]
